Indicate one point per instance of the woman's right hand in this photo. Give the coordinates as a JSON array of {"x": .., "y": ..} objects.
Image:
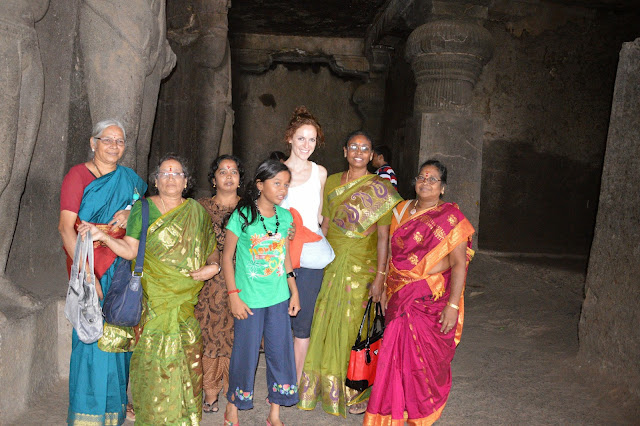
[
  {"x": 96, "y": 233},
  {"x": 239, "y": 309}
]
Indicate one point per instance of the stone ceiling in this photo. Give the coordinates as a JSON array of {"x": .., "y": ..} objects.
[{"x": 349, "y": 18}]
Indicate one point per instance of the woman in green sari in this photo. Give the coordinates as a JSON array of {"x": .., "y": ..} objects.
[
  {"x": 356, "y": 217},
  {"x": 166, "y": 368}
]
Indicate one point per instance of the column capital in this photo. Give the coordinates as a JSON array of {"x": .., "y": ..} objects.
[{"x": 447, "y": 56}]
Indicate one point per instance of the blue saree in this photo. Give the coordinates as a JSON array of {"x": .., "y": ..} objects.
[{"x": 98, "y": 379}]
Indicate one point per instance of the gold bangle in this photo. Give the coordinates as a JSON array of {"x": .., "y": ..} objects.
[
  {"x": 383, "y": 273},
  {"x": 454, "y": 306}
]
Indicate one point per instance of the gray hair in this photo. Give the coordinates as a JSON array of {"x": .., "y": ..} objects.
[{"x": 101, "y": 125}]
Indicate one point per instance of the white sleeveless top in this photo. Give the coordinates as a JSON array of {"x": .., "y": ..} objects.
[{"x": 306, "y": 198}]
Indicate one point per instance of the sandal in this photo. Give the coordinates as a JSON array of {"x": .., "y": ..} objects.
[
  {"x": 210, "y": 407},
  {"x": 358, "y": 408},
  {"x": 229, "y": 423},
  {"x": 269, "y": 423},
  {"x": 131, "y": 414}
]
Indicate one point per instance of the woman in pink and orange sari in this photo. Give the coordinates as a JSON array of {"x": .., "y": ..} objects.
[{"x": 430, "y": 252}]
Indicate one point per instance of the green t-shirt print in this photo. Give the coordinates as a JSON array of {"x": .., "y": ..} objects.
[{"x": 260, "y": 271}]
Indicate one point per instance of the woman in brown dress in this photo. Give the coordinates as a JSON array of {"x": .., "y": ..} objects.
[{"x": 226, "y": 175}]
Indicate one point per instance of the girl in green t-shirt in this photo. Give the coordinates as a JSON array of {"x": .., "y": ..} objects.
[{"x": 257, "y": 235}]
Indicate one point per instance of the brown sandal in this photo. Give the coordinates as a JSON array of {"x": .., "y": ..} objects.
[{"x": 131, "y": 414}]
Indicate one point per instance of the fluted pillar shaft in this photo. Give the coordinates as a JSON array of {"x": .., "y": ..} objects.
[{"x": 447, "y": 56}]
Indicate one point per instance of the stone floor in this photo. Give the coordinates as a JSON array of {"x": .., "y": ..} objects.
[{"x": 515, "y": 365}]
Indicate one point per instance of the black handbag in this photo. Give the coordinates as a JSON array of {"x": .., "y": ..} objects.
[
  {"x": 123, "y": 302},
  {"x": 363, "y": 360}
]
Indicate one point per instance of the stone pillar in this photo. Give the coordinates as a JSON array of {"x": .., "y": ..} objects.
[
  {"x": 447, "y": 56},
  {"x": 370, "y": 100},
  {"x": 21, "y": 98},
  {"x": 195, "y": 102},
  {"x": 371, "y": 95},
  {"x": 125, "y": 55},
  {"x": 212, "y": 57},
  {"x": 610, "y": 312}
]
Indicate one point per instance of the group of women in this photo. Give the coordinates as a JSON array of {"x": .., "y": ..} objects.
[{"x": 231, "y": 264}]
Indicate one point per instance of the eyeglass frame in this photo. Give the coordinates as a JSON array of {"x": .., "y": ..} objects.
[
  {"x": 167, "y": 175},
  {"x": 366, "y": 149},
  {"x": 431, "y": 180},
  {"x": 112, "y": 141}
]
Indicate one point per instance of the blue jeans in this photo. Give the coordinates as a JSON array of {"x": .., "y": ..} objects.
[{"x": 274, "y": 325}]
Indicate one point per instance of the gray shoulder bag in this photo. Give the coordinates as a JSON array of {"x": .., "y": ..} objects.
[{"x": 82, "y": 307}]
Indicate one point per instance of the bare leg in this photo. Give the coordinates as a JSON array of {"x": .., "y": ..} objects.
[
  {"x": 300, "y": 348},
  {"x": 230, "y": 414},
  {"x": 274, "y": 415}
]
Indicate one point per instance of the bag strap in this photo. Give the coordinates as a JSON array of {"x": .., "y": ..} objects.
[
  {"x": 364, "y": 319},
  {"x": 143, "y": 238},
  {"x": 77, "y": 263},
  {"x": 88, "y": 239}
]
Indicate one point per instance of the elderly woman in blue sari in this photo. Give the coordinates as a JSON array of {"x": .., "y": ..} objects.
[{"x": 101, "y": 192}]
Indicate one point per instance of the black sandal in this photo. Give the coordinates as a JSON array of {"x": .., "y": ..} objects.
[{"x": 210, "y": 407}]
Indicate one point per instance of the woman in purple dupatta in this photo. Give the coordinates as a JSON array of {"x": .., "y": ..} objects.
[{"x": 430, "y": 251}]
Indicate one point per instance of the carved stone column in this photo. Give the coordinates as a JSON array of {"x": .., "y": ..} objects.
[
  {"x": 447, "y": 56},
  {"x": 370, "y": 97}
]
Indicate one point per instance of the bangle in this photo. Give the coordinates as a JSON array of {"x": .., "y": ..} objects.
[
  {"x": 454, "y": 306},
  {"x": 383, "y": 273},
  {"x": 214, "y": 263},
  {"x": 237, "y": 290}
]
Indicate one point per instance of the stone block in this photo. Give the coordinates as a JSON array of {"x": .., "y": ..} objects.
[
  {"x": 63, "y": 340},
  {"x": 608, "y": 331},
  {"x": 28, "y": 365}
]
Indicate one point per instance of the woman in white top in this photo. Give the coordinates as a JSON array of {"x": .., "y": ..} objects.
[{"x": 303, "y": 134}]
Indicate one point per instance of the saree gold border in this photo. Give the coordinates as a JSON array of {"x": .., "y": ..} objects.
[
  {"x": 462, "y": 231},
  {"x": 386, "y": 207},
  {"x": 108, "y": 419},
  {"x": 459, "y": 234},
  {"x": 341, "y": 189},
  {"x": 380, "y": 420}
]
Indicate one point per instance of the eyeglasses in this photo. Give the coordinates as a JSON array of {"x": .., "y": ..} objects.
[
  {"x": 363, "y": 148},
  {"x": 111, "y": 142},
  {"x": 430, "y": 180},
  {"x": 167, "y": 175}
]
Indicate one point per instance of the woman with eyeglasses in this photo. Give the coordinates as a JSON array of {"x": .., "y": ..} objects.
[
  {"x": 356, "y": 216},
  {"x": 99, "y": 191},
  {"x": 430, "y": 253},
  {"x": 166, "y": 367}
]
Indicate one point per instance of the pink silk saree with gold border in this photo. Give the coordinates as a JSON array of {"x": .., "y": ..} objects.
[{"x": 413, "y": 376}]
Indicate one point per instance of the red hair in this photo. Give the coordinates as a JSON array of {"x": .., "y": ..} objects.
[{"x": 300, "y": 117}]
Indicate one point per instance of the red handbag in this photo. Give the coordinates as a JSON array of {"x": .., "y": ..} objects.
[{"x": 364, "y": 353}]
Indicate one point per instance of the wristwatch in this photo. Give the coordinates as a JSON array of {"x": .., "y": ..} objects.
[{"x": 292, "y": 274}]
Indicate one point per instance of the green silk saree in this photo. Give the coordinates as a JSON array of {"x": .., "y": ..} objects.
[
  {"x": 351, "y": 208},
  {"x": 166, "y": 367}
]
